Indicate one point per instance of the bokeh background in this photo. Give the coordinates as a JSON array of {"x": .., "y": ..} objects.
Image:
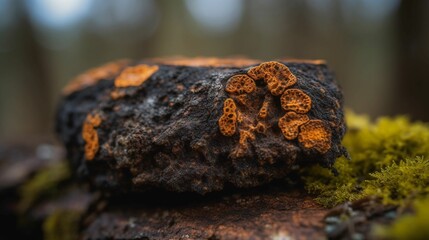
[{"x": 379, "y": 49}]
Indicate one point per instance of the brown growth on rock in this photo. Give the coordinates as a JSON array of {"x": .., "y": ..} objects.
[
  {"x": 94, "y": 75},
  {"x": 90, "y": 135},
  {"x": 295, "y": 100},
  {"x": 277, "y": 76},
  {"x": 290, "y": 123},
  {"x": 135, "y": 76},
  {"x": 240, "y": 84},
  {"x": 227, "y": 122},
  {"x": 314, "y": 134}
]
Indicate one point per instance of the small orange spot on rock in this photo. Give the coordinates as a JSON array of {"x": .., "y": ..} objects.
[
  {"x": 290, "y": 122},
  {"x": 314, "y": 134},
  {"x": 295, "y": 100},
  {"x": 277, "y": 76},
  {"x": 90, "y": 135},
  {"x": 94, "y": 75},
  {"x": 244, "y": 135},
  {"x": 263, "y": 112},
  {"x": 240, "y": 84},
  {"x": 116, "y": 94},
  {"x": 135, "y": 76},
  {"x": 227, "y": 122}
]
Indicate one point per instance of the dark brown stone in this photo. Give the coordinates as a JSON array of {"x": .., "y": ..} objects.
[
  {"x": 268, "y": 213},
  {"x": 157, "y": 125}
]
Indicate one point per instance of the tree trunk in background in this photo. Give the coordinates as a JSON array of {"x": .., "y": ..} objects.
[{"x": 412, "y": 59}]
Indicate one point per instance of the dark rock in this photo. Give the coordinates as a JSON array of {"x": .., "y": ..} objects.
[
  {"x": 155, "y": 124},
  {"x": 267, "y": 213}
]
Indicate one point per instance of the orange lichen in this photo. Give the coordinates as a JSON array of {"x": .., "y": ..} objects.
[
  {"x": 244, "y": 135},
  {"x": 227, "y": 122},
  {"x": 135, "y": 76},
  {"x": 94, "y": 75},
  {"x": 116, "y": 94},
  {"x": 263, "y": 112},
  {"x": 290, "y": 122},
  {"x": 277, "y": 76},
  {"x": 240, "y": 84},
  {"x": 314, "y": 135},
  {"x": 90, "y": 135},
  {"x": 295, "y": 100}
]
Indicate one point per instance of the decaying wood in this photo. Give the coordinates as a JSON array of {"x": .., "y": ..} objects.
[{"x": 196, "y": 125}]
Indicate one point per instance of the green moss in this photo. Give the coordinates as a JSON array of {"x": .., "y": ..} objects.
[
  {"x": 62, "y": 224},
  {"x": 377, "y": 149},
  {"x": 45, "y": 183},
  {"x": 410, "y": 226},
  {"x": 400, "y": 183}
]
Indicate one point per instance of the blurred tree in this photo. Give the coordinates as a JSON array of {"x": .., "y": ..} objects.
[{"x": 412, "y": 59}]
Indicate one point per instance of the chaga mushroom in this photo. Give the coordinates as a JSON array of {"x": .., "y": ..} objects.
[{"x": 197, "y": 125}]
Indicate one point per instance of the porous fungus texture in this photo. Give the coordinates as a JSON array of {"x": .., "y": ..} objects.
[
  {"x": 135, "y": 76},
  {"x": 275, "y": 79},
  {"x": 240, "y": 84},
  {"x": 90, "y": 135},
  {"x": 277, "y": 76},
  {"x": 289, "y": 124},
  {"x": 295, "y": 100},
  {"x": 228, "y": 120},
  {"x": 92, "y": 76}
]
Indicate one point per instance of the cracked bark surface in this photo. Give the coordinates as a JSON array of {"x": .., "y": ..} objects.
[{"x": 162, "y": 132}]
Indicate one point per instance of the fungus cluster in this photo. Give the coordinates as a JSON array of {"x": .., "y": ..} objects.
[
  {"x": 252, "y": 114},
  {"x": 240, "y": 84},
  {"x": 94, "y": 75},
  {"x": 135, "y": 76},
  {"x": 90, "y": 135},
  {"x": 228, "y": 121}
]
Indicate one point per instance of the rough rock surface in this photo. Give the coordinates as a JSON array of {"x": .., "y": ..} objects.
[
  {"x": 268, "y": 213},
  {"x": 200, "y": 124}
]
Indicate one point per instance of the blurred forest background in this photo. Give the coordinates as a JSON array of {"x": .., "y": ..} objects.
[{"x": 379, "y": 49}]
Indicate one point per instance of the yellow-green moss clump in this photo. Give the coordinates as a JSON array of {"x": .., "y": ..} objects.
[
  {"x": 62, "y": 224},
  {"x": 388, "y": 160},
  {"x": 44, "y": 184}
]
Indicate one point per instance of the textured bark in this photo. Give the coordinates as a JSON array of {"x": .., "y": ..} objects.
[
  {"x": 127, "y": 132},
  {"x": 258, "y": 214}
]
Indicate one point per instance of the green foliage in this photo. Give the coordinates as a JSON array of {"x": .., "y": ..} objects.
[
  {"x": 377, "y": 150},
  {"x": 409, "y": 226},
  {"x": 62, "y": 224},
  {"x": 43, "y": 184},
  {"x": 399, "y": 183}
]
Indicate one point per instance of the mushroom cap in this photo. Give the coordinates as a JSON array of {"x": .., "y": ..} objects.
[{"x": 295, "y": 100}]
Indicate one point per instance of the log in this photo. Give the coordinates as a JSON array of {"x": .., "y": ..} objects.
[{"x": 198, "y": 125}]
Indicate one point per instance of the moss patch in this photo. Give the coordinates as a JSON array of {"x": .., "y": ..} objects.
[
  {"x": 387, "y": 161},
  {"x": 62, "y": 224},
  {"x": 44, "y": 184}
]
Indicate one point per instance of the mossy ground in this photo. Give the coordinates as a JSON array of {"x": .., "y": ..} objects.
[{"x": 389, "y": 159}]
